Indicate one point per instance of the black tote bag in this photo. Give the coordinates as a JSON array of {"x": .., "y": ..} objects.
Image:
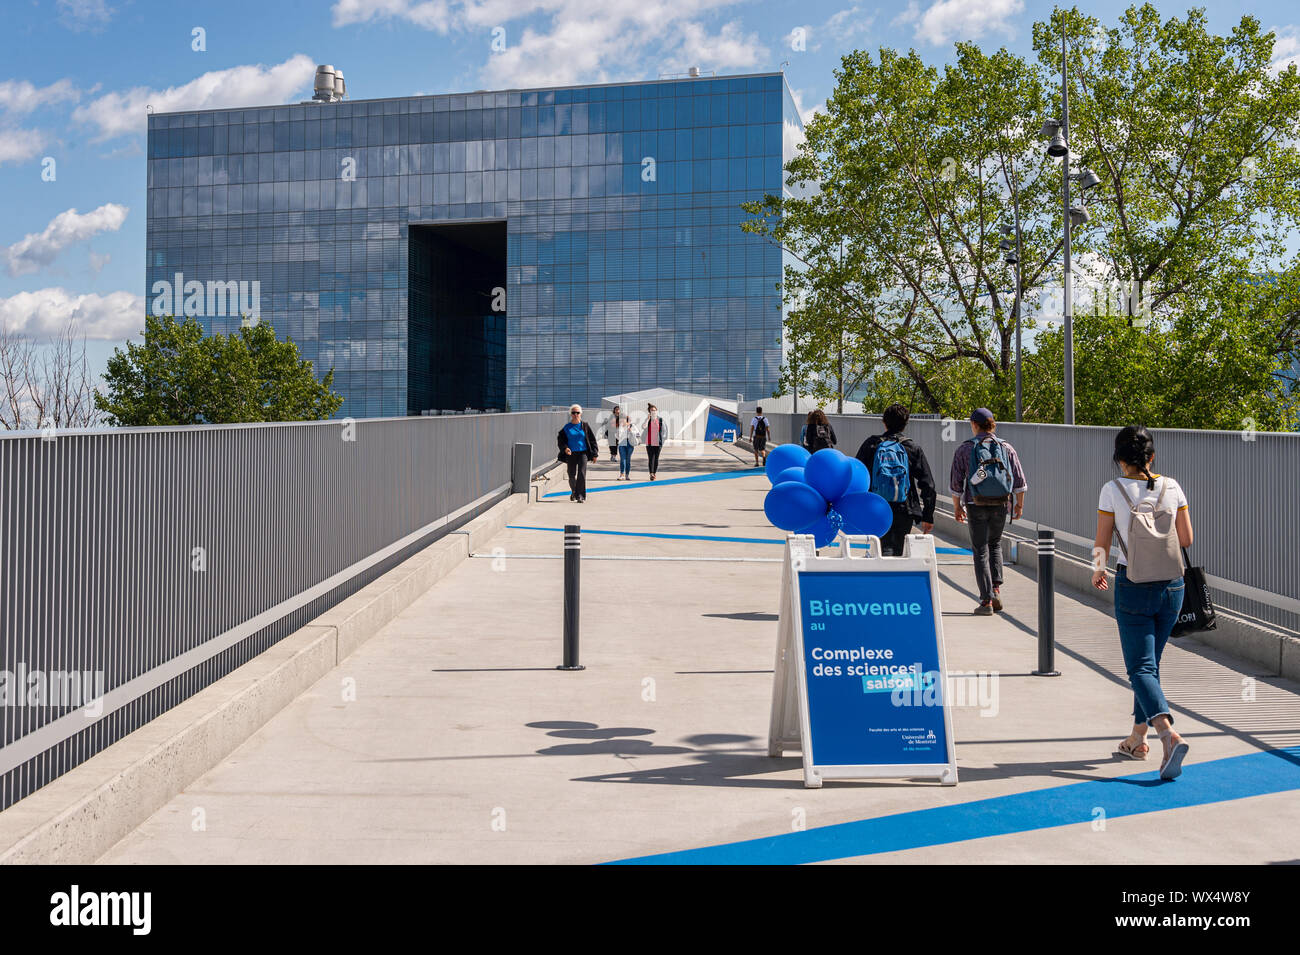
[{"x": 1198, "y": 609}]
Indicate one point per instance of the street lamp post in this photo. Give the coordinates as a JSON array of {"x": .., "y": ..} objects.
[
  {"x": 1068, "y": 310},
  {"x": 1059, "y": 147}
]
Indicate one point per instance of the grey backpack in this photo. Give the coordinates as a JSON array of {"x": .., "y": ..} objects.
[{"x": 1152, "y": 553}]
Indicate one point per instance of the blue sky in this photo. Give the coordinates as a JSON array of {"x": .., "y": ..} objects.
[{"x": 76, "y": 75}]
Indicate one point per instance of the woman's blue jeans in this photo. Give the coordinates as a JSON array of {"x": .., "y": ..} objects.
[
  {"x": 1146, "y": 614},
  {"x": 625, "y": 459}
]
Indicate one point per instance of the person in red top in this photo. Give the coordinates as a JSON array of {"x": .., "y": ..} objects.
[{"x": 653, "y": 437}]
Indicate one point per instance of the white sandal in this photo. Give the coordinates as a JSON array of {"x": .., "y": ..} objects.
[
  {"x": 1172, "y": 767},
  {"x": 1122, "y": 750}
]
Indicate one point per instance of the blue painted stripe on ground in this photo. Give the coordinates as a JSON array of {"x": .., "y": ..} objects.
[
  {"x": 623, "y": 486},
  {"x": 695, "y": 537},
  {"x": 1217, "y": 780}
]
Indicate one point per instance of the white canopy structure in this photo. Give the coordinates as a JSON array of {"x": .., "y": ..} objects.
[{"x": 687, "y": 417}]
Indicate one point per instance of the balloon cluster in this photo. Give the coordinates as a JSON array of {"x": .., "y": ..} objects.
[{"x": 822, "y": 494}]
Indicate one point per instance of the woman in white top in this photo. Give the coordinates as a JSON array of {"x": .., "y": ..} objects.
[
  {"x": 1145, "y": 612},
  {"x": 611, "y": 429},
  {"x": 622, "y": 434}
]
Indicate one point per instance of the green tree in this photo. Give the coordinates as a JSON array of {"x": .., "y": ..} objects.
[
  {"x": 1193, "y": 135},
  {"x": 182, "y": 376},
  {"x": 1222, "y": 361},
  {"x": 908, "y": 172},
  {"x": 912, "y": 170}
]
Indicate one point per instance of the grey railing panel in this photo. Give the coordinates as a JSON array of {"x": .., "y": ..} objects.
[
  {"x": 1241, "y": 489},
  {"x": 122, "y": 550}
]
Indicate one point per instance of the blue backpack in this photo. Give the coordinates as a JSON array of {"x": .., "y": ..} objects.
[
  {"x": 890, "y": 472},
  {"x": 990, "y": 476}
]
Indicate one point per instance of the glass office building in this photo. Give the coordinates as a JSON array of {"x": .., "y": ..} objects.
[{"x": 495, "y": 249}]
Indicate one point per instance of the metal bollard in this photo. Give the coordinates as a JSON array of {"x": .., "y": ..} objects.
[
  {"x": 521, "y": 468},
  {"x": 1046, "y": 603},
  {"x": 572, "y": 569}
]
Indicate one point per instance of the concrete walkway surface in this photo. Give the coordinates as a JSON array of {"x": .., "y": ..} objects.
[{"x": 450, "y": 737}]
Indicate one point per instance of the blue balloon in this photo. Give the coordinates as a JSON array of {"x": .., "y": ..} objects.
[
  {"x": 790, "y": 474},
  {"x": 824, "y": 531},
  {"x": 785, "y": 456},
  {"x": 829, "y": 472},
  {"x": 861, "y": 482},
  {"x": 791, "y": 505},
  {"x": 869, "y": 513}
]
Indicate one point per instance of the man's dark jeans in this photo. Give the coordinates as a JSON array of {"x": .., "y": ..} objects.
[
  {"x": 986, "y": 524},
  {"x": 891, "y": 542}
]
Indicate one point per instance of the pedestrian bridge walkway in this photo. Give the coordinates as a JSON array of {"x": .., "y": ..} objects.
[{"x": 450, "y": 737}]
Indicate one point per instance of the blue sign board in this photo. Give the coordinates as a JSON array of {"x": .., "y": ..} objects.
[
  {"x": 860, "y": 673},
  {"x": 872, "y": 667}
]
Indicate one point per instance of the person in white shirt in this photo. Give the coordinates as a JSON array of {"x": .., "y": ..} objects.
[
  {"x": 611, "y": 426},
  {"x": 622, "y": 434},
  {"x": 1145, "y": 612}
]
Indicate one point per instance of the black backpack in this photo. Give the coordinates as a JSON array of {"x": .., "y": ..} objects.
[{"x": 760, "y": 428}]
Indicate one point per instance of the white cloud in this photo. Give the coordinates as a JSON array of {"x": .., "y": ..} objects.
[
  {"x": 907, "y": 16},
  {"x": 846, "y": 25},
  {"x": 112, "y": 317},
  {"x": 576, "y": 41},
  {"x": 20, "y": 96},
  {"x": 38, "y": 249},
  {"x": 19, "y": 145},
  {"x": 117, "y": 114},
  {"x": 84, "y": 14},
  {"x": 947, "y": 21},
  {"x": 595, "y": 41},
  {"x": 97, "y": 261},
  {"x": 429, "y": 14},
  {"x": 1286, "y": 49},
  {"x": 726, "y": 49}
]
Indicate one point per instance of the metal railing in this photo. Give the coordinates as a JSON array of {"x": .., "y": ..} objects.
[
  {"x": 1240, "y": 486},
  {"x": 139, "y": 565}
]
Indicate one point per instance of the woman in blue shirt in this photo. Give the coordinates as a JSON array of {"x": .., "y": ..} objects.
[{"x": 577, "y": 444}]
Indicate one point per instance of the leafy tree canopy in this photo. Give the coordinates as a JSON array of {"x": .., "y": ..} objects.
[
  {"x": 182, "y": 376},
  {"x": 897, "y": 196}
]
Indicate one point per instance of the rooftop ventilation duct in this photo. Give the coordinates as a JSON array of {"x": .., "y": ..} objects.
[{"x": 329, "y": 86}]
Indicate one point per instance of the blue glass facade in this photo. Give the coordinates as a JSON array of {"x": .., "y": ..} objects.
[{"x": 625, "y": 266}]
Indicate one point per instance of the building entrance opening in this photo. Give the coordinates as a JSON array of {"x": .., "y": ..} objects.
[{"x": 456, "y": 317}]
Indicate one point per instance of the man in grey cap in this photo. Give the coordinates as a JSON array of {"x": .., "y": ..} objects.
[{"x": 987, "y": 484}]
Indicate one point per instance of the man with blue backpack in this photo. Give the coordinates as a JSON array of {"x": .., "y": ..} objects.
[
  {"x": 901, "y": 475},
  {"x": 987, "y": 484}
]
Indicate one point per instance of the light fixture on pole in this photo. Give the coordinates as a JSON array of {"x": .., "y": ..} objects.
[{"x": 1087, "y": 179}]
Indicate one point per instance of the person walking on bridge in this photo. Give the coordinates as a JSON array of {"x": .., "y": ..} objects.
[
  {"x": 818, "y": 432},
  {"x": 901, "y": 475},
  {"x": 577, "y": 446},
  {"x": 653, "y": 436},
  {"x": 759, "y": 428},
  {"x": 611, "y": 427},
  {"x": 1148, "y": 513},
  {"x": 623, "y": 434},
  {"x": 988, "y": 484}
]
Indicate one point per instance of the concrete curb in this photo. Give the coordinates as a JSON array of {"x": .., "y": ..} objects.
[
  {"x": 82, "y": 814},
  {"x": 1235, "y": 636}
]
